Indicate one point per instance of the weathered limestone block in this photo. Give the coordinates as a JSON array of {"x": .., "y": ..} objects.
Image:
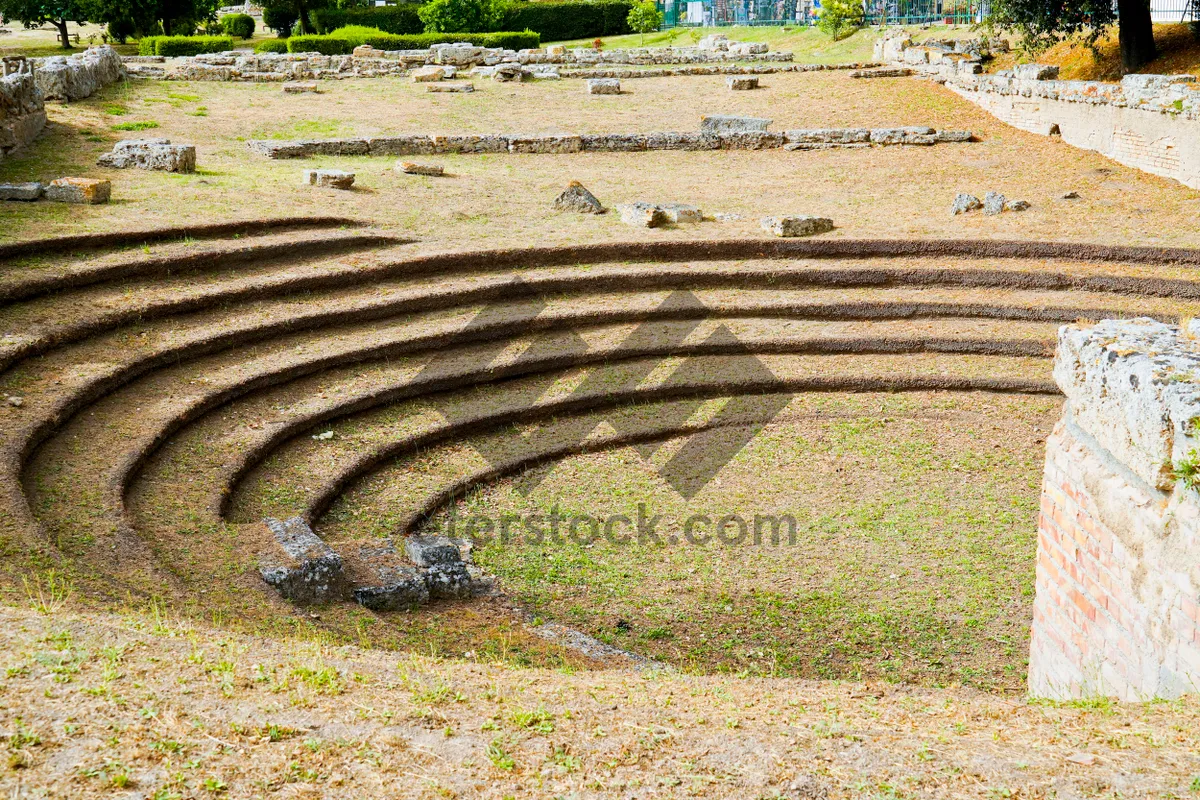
[
  {"x": 428, "y": 74},
  {"x": 1035, "y": 72},
  {"x": 413, "y": 168},
  {"x": 300, "y": 87},
  {"x": 21, "y": 191},
  {"x": 963, "y": 203},
  {"x": 396, "y": 588},
  {"x": 579, "y": 199},
  {"x": 642, "y": 215},
  {"x": 614, "y": 142},
  {"x": 454, "y": 88},
  {"x": 78, "y": 76},
  {"x": 993, "y": 203},
  {"x": 750, "y": 140},
  {"x": 1117, "y": 603},
  {"x": 1016, "y": 205},
  {"x": 80, "y": 191},
  {"x": 689, "y": 140},
  {"x": 828, "y": 136},
  {"x": 729, "y": 123},
  {"x": 302, "y": 567},
  {"x": 329, "y": 178},
  {"x": 152, "y": 154},
  {"x": 681, "y": 213},
  {"x": 909, "y": 135},
  {"x": 604, "y": 86},
  {"x": 548, "y": 143},
  {"x": 742, "y": 83},
  {"x": 882, "y": 72},
  {"x": 794, "y": 226}
]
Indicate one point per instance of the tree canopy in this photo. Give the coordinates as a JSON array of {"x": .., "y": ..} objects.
[{"x": 1044, "y": 22}]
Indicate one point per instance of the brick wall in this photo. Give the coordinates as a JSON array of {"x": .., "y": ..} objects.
[{"x": 1117, "y": 606}]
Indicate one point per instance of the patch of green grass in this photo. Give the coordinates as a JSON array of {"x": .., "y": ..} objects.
[{"x": 135, "y": 126}]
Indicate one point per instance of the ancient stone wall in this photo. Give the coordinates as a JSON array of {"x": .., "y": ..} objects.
[
  {"x": 22, "y": 109},
  {"x": 1117, "y": 607},
  {"x": 78, "y": 76},
  {"x": 1151, "y": 122}
]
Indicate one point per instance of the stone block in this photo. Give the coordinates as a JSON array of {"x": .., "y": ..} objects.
[
  {"x": 21, "y": 191},
  {"x": 428, "y": 74},
  {"x": 301, "y": 566},
  {"x": 397, "y": 588},
  {"x": 579, "y": 199},
  {"x": 750, "y": 140},
  {"x": 448, "y": 581},
  {"x": 428, "y": 551},
  {"x": 81, "y": 191},
  {"x": 1016, "y": 205},
  {"x": 680, "y": 213},
  {"x": 158, "y": 155},
  {"x": 1035, "y": 72},
  {"x": 642, "y": 215},
  {"x": 545, "y": 144},
  {"x": 993, "y": 203},
  {"x": 690, "y": 140},
  {"x": 963, "y": 203},
  {"x": 329, "y": 178},
  {"x": 603, "y": 86},
  {"x": 300, "y": 87},
  {"x": 729, "y": 123},
  {"x": 795, "y": 226},
  {"x": 452, "y": 88},
  {"x": 412, "y": 168},
  {"x": 742, "y": 83}
]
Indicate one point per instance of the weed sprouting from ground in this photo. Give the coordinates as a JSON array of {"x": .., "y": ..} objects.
[{"x": 47, "y": 592}]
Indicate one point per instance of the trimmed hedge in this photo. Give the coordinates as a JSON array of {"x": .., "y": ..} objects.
[
  {"x": 562, "y": 21},
  {"x": 333, "y": 44},
  {"x": 401, "y": 19},
  {"x": 325, "y": 45},
  {"x": 554, "y": 21},
  {"x": 271, "y": 46},
  {"x": 239, "y": 25},
  {"x": 175, "y": 46}
]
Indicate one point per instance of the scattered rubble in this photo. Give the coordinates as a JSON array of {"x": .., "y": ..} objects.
[
  {"x": 329, "y": 178},
  {"x": 794, "y": 226},
  {"x": 963, "y": 203},
  {"x": 680, "y": 213},
  {"x": 577, "y": 198}
]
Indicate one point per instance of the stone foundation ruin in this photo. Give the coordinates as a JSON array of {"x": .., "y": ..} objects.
[{"x": 1117, "y": 611}]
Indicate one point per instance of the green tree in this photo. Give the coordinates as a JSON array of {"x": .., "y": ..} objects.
[
  {"x": 840, "y": 18},
  {"x": 280, "y": 10},
  {"x": 34, "y": 13},
  {"x": 461, "y": 16},
  {"x": 644, "y": 18},
  {"x": 1042, "y": 23}
]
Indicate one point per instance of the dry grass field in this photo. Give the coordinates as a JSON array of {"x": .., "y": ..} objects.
[{"x": 159, "y": 398}]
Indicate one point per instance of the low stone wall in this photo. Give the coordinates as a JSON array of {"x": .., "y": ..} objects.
[
  {"x": 22, "y": 110},
  {"x": 78, "y": 76},
  {"x": 424, "y": 144},
  {"x": 1117, "y": 609},
  {"x": 707, "y": 69},
  {"x": 366, "y": 62},
  {"x": 1151, "y": 122}
]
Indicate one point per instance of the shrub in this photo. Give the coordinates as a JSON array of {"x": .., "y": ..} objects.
[
  {"x": 456, "y": 16},
  {"x": 175, "y": 46},
  {"x": 271, "y": 46},
  {"x": 644, "y": 18},
  {"x": 359, "y": 34},
  {"x": 840, "y": 18},
  {"x": 510, "y": 40},
  {"x": 325, "y": 45},
  {"x": 389, "y": 19},
  {"x": 120, "y": 30},
  {"x": 239, "y": 25},
  {"x": 280, "y": 19},
  {"x": 146, "y": 45},
  {"x": 560, "y": 21}
]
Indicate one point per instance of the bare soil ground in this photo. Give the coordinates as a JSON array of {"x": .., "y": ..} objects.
[
  {"x": 141, "y": 705},
  {"x": 504, "y": 199}
]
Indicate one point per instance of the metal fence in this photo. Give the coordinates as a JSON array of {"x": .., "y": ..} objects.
[{"x": 695, "y": 13}]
